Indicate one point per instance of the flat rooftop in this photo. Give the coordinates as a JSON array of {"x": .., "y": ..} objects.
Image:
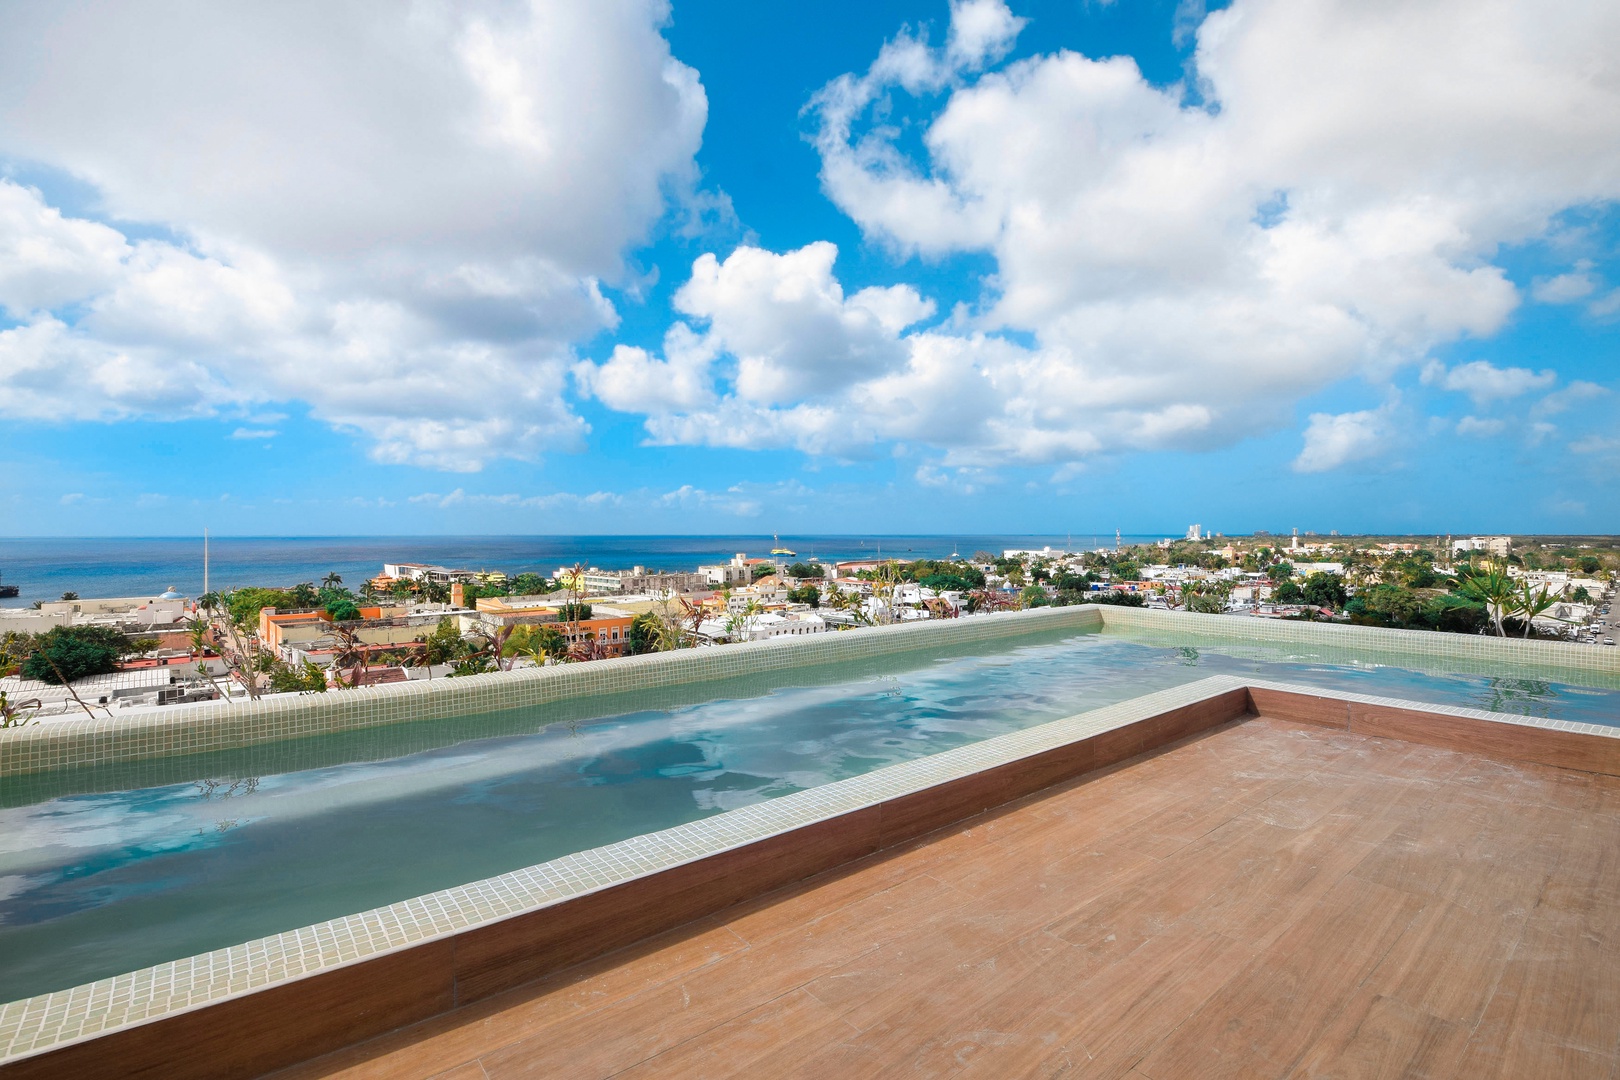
[{"x": 1265, "y": 899}]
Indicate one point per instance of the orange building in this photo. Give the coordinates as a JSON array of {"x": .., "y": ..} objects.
[
  {"x": 608, "y": 625},
  {"x": 278, "y": 628}
]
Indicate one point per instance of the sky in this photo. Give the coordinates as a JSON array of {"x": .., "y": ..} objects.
[{"x": 625, "y": 266}]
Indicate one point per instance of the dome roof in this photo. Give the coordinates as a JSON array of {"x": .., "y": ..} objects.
[{"x": 173, "y": 593}]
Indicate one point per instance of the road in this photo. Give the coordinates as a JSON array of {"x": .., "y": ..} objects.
[{"x": 1609, "y": 625}]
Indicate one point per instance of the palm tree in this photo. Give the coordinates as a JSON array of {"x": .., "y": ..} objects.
[
  {"x": 332, "y": 580},
  {"x": 1529, "y": 603},
  {"x": 350, "y": 653},
  {"x": 573, "y": 579},
  {"x": 545, "y": 642},
  {"x": 745, "y": 620},
  {"x": 1495, "y": 590}
]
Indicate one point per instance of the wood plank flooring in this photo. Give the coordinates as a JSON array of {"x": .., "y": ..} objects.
[{"x": 1267, "y": 900}]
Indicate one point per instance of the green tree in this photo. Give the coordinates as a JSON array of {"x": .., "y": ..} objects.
[
  {"x": 536, "y": 642},
  {"x": 530, "y": 584},
  {"x": 643, "y": 634},
  {"x": 243, "y": 605},
  {"x": 805, "y": 594},
  {"x": 1117, "y": 598},
  {"x": 805, "y": 570},
  {"x": 444, "y": 644},
  {"x": 1288, "y": 592},
  {"x": 1581, "y": 595},
  {"x": 433, "y": 592},
  {"x": 1279, "y": 572},
  {"x": 961, "y": 579},
  {"x": 343, "y": 609},
  {"x": 1033, "y": 596},
  {"x": 305, "y": 678},
  {"x": 66, "y": 654},
  {"x": 762, "y": 570},
  {"x": 476, "y": 663},
  {"x": 1325, "y": 590},
  {"x": 1455, "y": 614},
  {"x": 574, "y": 611},
  {"x": 1418, "y": 574},
  {"x": 1386, "y": 605},
  {"x": 549, "y": 641}
]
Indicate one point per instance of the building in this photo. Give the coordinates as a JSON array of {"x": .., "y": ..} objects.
[
  {"x": 497, "y": 612},
  {"x": 766, "y": 593},
  {"x": 295, "y": 634},
  {"x": 785, "y": 624},
  {"x": 438, "y": 575},
  {"x": 638, "y": 580},
  {"x": 163, "y": 616},
  {"x": 722, "y": 575},
  {"x": 758, "y": 627},
  {"x": 610, "y": 626},
  {"x": 1496, "y": 546},
  {"x": 594, "y": 580}
]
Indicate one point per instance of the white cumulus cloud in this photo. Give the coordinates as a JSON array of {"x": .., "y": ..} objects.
[
  {"x": 1334, "y": 440},
  {"x": 398, "y": 215},
  {"x": 1485, "y": 382},
  {"x": 1321, "y": 200},
  {"x": 1577, "y": 284},
  {"x": 1481, "y": 427}
]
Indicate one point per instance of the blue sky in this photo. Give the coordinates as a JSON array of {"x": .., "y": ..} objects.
[{"x": 594, "y": 268}]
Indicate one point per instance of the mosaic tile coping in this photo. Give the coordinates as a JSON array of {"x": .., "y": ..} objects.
[
  {"x": 1547, "y": 656},
  {"x": 213, "y": 726},
  {"x": 39, "y": 1024}
]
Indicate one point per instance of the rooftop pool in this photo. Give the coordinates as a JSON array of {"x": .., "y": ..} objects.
[{"x": 107, "y": 869}]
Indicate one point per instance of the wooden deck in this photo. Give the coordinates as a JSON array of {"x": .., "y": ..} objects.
[{"x": 1269, "y": 899}]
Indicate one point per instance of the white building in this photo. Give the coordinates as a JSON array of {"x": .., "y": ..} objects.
[
  {"x": 1499, "y": 546},
  {"x": 778, "y": 624},
  {"x": 762, "y": 594},
  {"x": 735, "y": 572},
  {"x": 593, "y": 581}
]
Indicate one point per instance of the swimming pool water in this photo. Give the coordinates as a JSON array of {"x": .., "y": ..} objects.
[{"x": 97, "y": 881}]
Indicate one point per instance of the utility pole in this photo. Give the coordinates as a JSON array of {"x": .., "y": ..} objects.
[{"x": 205, "y": 562}]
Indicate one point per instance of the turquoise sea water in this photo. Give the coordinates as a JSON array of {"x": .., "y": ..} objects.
[{"x": 105, "y": 872}]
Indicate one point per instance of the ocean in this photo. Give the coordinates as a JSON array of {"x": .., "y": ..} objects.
[{"x": 45, "y": 568}]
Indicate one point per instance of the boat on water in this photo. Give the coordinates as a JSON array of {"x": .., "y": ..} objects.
[
  {"x": 7, "y": 590},
  {"x": 779, "y": 549}
]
